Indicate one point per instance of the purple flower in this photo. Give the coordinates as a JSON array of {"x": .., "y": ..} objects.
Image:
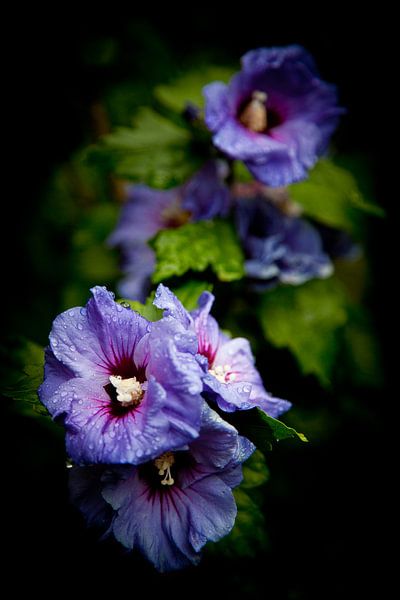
[
  {"x": 125, "y": 389},
  {"x": 205, "y": 195},
  {"x": 148, "y": 210},
  {"x": 278, "y": 246},
  {"x": 170, "y": 507},
  {"x": 231, "y": 378},
  {"x": 276, "y": 114}
]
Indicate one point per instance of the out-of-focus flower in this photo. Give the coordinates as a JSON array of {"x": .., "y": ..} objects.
[
  {"x": 279, "y": 246},
  {"x": 170, "y": 507},
  {"x": 276, "y": 114},
  {"x": 231, "y": 378},
  {"x": 148, "y": 210},
  {"x": 125, "y": 389}
]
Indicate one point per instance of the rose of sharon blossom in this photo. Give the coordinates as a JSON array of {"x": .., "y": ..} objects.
[
  {"x": 148, "y": 210},
  {"x": 125, "y": 389},
  {"x": 168, "y": 508},
  {"x": 278, "y": 246},
  {"x": 231, "y": 378},
  {"x": 276, "y": 114}
]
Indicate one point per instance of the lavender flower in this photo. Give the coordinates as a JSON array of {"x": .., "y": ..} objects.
[
  {"x": 125, "y": 389},
  {"x": 147, "y": 211},
  {"x": 276, "y": 114},
  {"x": 278, "y": 246},
  {"x": 170, "y": 507},
  {"x": 231, "y": 378}
]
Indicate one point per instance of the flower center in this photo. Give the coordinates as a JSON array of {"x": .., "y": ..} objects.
[
  {"x": 223, "y": 373},
  {"x": 174, "y": 216},
  {"x": 164, "y": 463},
  {"x": 129, "y": 391},
  {"x": 254, "y": 114}
]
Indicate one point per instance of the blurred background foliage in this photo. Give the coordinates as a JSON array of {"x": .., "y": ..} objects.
[{"x": 320, "y": 345}]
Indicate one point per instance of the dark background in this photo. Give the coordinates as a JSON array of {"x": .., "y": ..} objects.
[{"x": 327, "y": 502}]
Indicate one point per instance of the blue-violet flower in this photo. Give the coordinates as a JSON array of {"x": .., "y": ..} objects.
[
  {"x": 147, "y": 211},
  {"x": 170, "y": 507},
  {"x": 125, "y": 389},
  {"x": 278, "y": 246},
  {"x": 231, "y": 378},
  {"x": 276, "y": 114}
]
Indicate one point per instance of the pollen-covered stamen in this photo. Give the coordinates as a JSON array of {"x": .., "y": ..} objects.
[
  {"x": 164, "y": 463},
  {"x": 223, "y": 373},
  {"x": 129, "y": 391},
  {"x": 254, "y": 114}
]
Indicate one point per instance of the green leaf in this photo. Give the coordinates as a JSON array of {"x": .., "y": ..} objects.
[
  {"x": 21, "y": 374},
  {"x": 262, "y": 429},
  {"x": 188, "y": 88},
  {"x": 147, "y": 310},
  {"x": 306, "y": 319},
  {"x": 248, "y": 535},
  {"x": 196, "y": 246},
  {"x": 189, "y": 292},
  {"x": 255, "y": 471},
  {"x": 278, "y": 430},
  {"x": 155, "y": 151},
  {"x": 332, "y": 196}
]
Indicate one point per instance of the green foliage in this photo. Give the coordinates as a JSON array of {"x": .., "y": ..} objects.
[
  {"x": 189, "y": 292},
  {"x": 248, "y": 535},
  {"x": 21, "y": 374},
  {"x": 306, "y": 319},
  {"x": 262, "y": 429},
  {"x": 255, "y": 471},
  {"x": 332, "y": 196},
  {"x": 147, "y": 310},
  {"x": 155, "y": 151},
  {"x": 196, "y": 246},
  {"x": 363, "y": 354},
  {"x": 188, "y": 88}
]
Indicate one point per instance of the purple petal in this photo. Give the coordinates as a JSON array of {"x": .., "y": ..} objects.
[
  {"x": 97, "y": 340},
  {"x": 241, "y": 143},
  {"x": 85, "y": 486},
  {"x": 217, "y": 443},
  {"x": 55, "y": 374},
  {"x": 142, "y": 216},
  {"x": 262, "y": 59},
  {"x": 205, "y": 195},
  {"x": 217, "y": 103},
  {"x": 154, "y": 522},
  {"x": 206, "y": 327},
  {"x": 137, "y": 265},
  {"x": 95, "y": 434},
  {"x": 212, "y": 510},
  {"x": 167, "y": 301}
]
